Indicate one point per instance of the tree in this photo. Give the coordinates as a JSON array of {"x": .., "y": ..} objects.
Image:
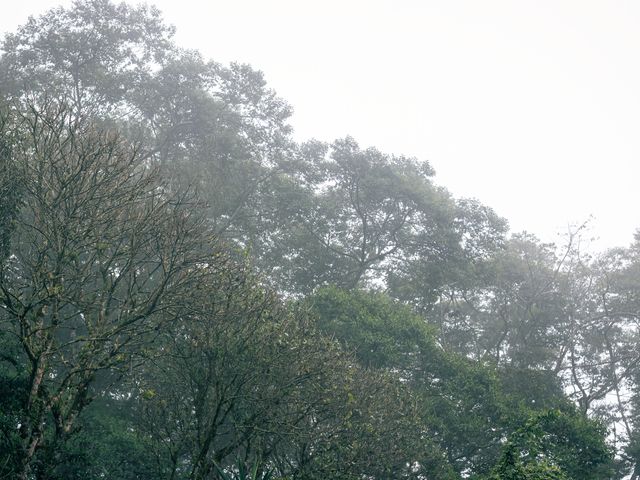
[
  {"x": 438, "y": 273},
  {"x": 603, "y": 364},
  {"x": 100, "y": 256},
  {"x": 632, "y": 450},
  {"x": 382, "y": 333},
  {"x": 94, "y": 55},
  {"x": 458, "y": 403},
  {"x": 241, "y": 377},
  {"x": 222, "y": 383},
  {"x": 217, "y": 128},
  {"x": 9, "y": 187},
  {"x": 105, "y": 444},
  {"x": 355, "y": 209},
  {"x": 556, "y": 445},
  {"x": 442, "y": 348}
]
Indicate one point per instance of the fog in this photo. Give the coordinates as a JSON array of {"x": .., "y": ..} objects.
[{"x": 530, "y": 107}]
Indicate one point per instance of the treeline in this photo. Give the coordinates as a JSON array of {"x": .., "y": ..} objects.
[{"x": 188, "y": 293}]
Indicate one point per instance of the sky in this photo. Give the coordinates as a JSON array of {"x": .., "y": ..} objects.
[{"x": 532, "y": 107}]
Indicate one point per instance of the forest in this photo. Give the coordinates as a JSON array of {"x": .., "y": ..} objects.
[{"x": 188, "y": 293}]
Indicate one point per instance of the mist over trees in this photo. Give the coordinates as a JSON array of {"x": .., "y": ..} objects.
[{"x": 188, "y": 293}]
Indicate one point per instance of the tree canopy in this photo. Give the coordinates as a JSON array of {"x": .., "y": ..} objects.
[{"x": 186, "y": 292}]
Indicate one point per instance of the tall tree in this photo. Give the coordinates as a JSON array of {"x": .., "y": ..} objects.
[
  {"x": 555, "y": 445},
  {"x": 355, "y": 217},
  {"x": 204, "y": 121},
  {"x": 100, "y": 256},
  {"x": 92, "y": 55}
]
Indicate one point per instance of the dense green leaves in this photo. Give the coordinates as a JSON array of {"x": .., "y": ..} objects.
[
  {"x": 381, "y": 333},
  {"x": 558, "y": 445}
]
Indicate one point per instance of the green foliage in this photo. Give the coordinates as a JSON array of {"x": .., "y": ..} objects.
[
  {"x": 442, "y": 268},
  {"x": 381, "y": 332},
  {"x": 564, "y": 445},
  {"x": 14, "y": 384},
  {"x": 138, "y": 338},
  {"x": 511, "y": 469},
  {"x": 215, "y": 128},
  {"x": 458, "y": 400},
  {"x": 10, "y": 191},
  {"x": 361, "y": 216},
  {"x": 243, "y": 472},
  {"x": 468, "y": 407},
  {"x": 463, "y": 403},
  {"x": 107, "y": 446},
  {"x": 225, "y": 376},
  {"x": 90, "y": 55},
  {"x": 98, "y": 256}
]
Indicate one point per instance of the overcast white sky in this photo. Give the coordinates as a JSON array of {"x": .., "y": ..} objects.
[{"x": 533, "y": 107}]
